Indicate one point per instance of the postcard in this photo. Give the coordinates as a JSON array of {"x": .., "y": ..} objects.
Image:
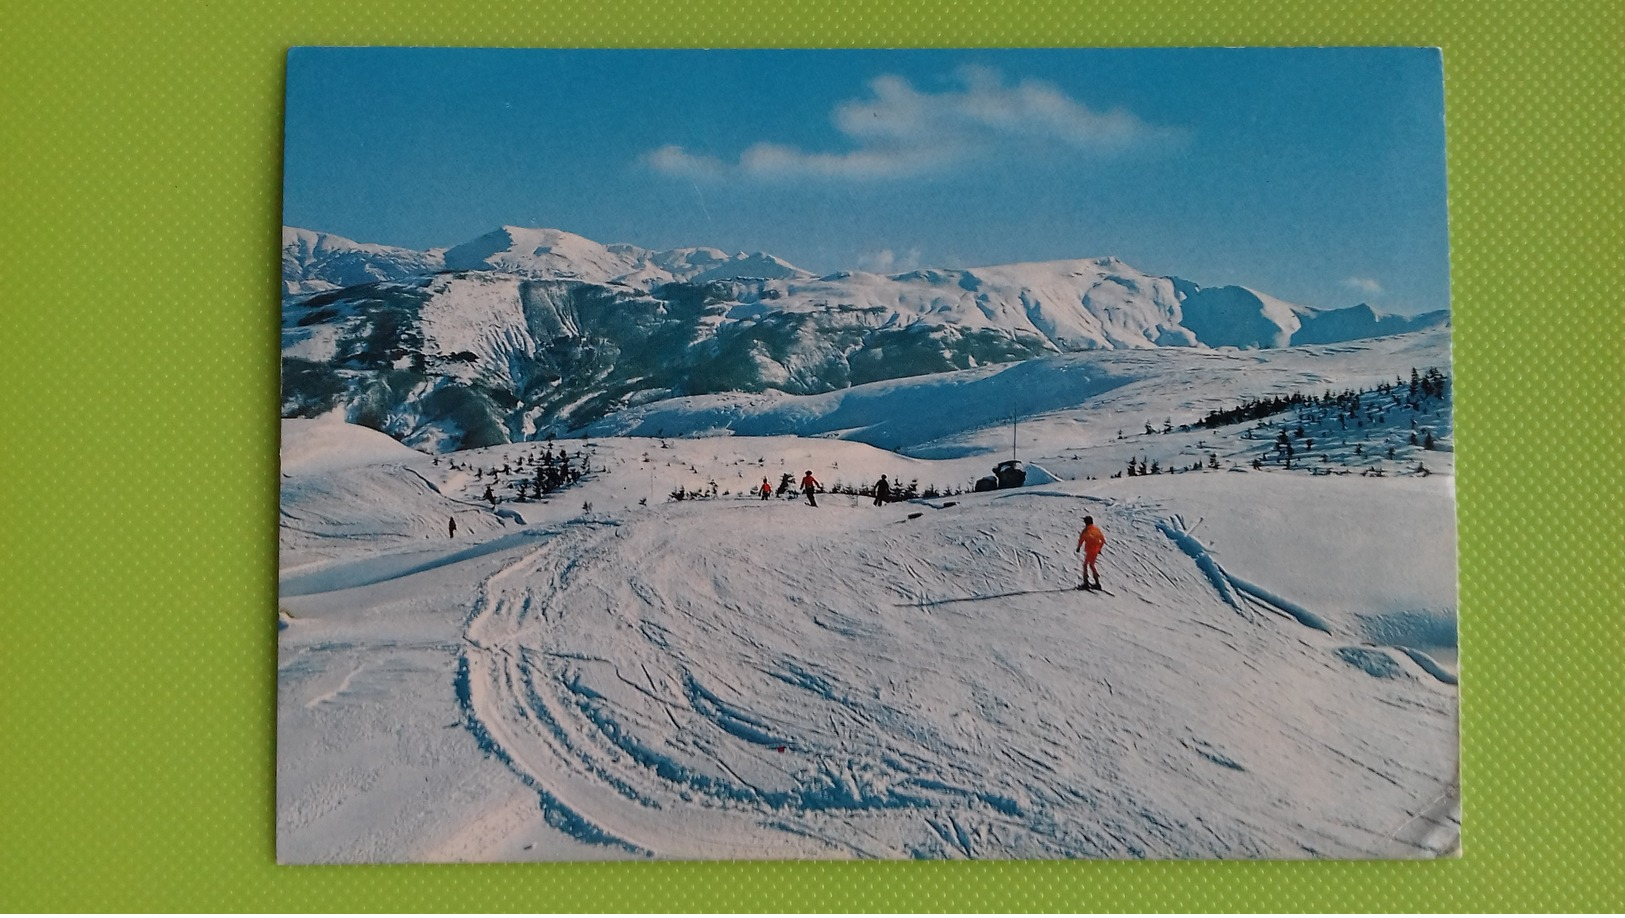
[{"x": 949, "y": 454}]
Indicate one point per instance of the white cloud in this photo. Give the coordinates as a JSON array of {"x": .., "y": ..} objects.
[
  {"x": 1364, "y": 285},
  {"x": 674, "y": 160},
  {"x": 900, "y": 131},
  {"x": 886, "y": 261}
]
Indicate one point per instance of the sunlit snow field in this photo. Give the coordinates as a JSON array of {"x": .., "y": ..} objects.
[{"x": 610, "y": 673}]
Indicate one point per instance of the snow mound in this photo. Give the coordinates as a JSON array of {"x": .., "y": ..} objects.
[
  {"x": 1038, "y": 475},
  {"x": 313, "y": 447}
]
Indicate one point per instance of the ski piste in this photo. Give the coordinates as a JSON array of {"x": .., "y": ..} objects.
[{"x": 934, "y": 690}]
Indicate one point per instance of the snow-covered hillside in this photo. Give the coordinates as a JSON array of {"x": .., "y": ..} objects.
[
  {"x": 605, "y": 672},
  {"x": 1073, "y": 399}
]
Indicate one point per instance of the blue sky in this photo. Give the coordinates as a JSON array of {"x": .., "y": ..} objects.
[{"x": 1315, "y": 175}]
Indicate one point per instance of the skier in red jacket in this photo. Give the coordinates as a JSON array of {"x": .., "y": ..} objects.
[
  {"x": 810, "y": 484},
  {"x": 1090, "y": 541}
]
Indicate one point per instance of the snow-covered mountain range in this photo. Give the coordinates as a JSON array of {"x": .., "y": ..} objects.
[
  {"x": 525, "y": 330},
  {"x": 315, "y": 262}
]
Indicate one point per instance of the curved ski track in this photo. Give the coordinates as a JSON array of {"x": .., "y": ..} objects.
[{"x": 738, "y": 680}]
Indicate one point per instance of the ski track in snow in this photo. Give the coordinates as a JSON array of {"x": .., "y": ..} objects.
[{"x": 669, "y": 702}]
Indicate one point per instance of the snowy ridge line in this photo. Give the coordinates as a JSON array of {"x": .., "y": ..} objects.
[
  {"x": 1430, "y": 665},
  {"x": 1174, "y": 528},
  {"x": 1304, "y": 616}
]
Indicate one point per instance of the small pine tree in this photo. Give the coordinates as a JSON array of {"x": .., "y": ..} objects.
[{"x": 1427, "y": 441}]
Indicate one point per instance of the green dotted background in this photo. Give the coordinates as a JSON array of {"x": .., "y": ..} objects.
[{"x": 139, "y": 214}]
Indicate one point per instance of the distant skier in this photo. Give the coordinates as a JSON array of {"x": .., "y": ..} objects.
[
  {"x": 451, "y": 528},
  {"x": 809, "y": 484},
  {"x": 490, "y": 497},
  {"x": 882, "y": 491},
  {"x": 766, "y": 490},
  {"x": 1090, "y": 542}
]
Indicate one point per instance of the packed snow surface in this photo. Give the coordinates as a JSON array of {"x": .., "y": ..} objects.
[{"x": 609, "y": 673}]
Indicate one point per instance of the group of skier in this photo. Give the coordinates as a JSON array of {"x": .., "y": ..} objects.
[
  {"x": 1090, "y": 541},
  {"x": 810, "y": 487}
]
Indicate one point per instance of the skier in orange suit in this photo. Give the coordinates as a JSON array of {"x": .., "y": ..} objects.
[{"x": 1090, "y": 541}]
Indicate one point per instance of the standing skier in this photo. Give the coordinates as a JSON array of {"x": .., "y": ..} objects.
[
  {"x": 882, "y": 491},
  {"x": 808, "y": 485},
  {"x": 766, "y": 490},
  {"x": 1090, "y": 542},
  {"x": 451, "y": 528}
]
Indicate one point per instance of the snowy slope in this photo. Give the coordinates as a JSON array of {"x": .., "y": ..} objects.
[
  {"x": 1324, "y": 326},
  {"x": 311, "y": 447},
  {"x": 1067, "y": 399},
  {"x": 738, "y": 678}
]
